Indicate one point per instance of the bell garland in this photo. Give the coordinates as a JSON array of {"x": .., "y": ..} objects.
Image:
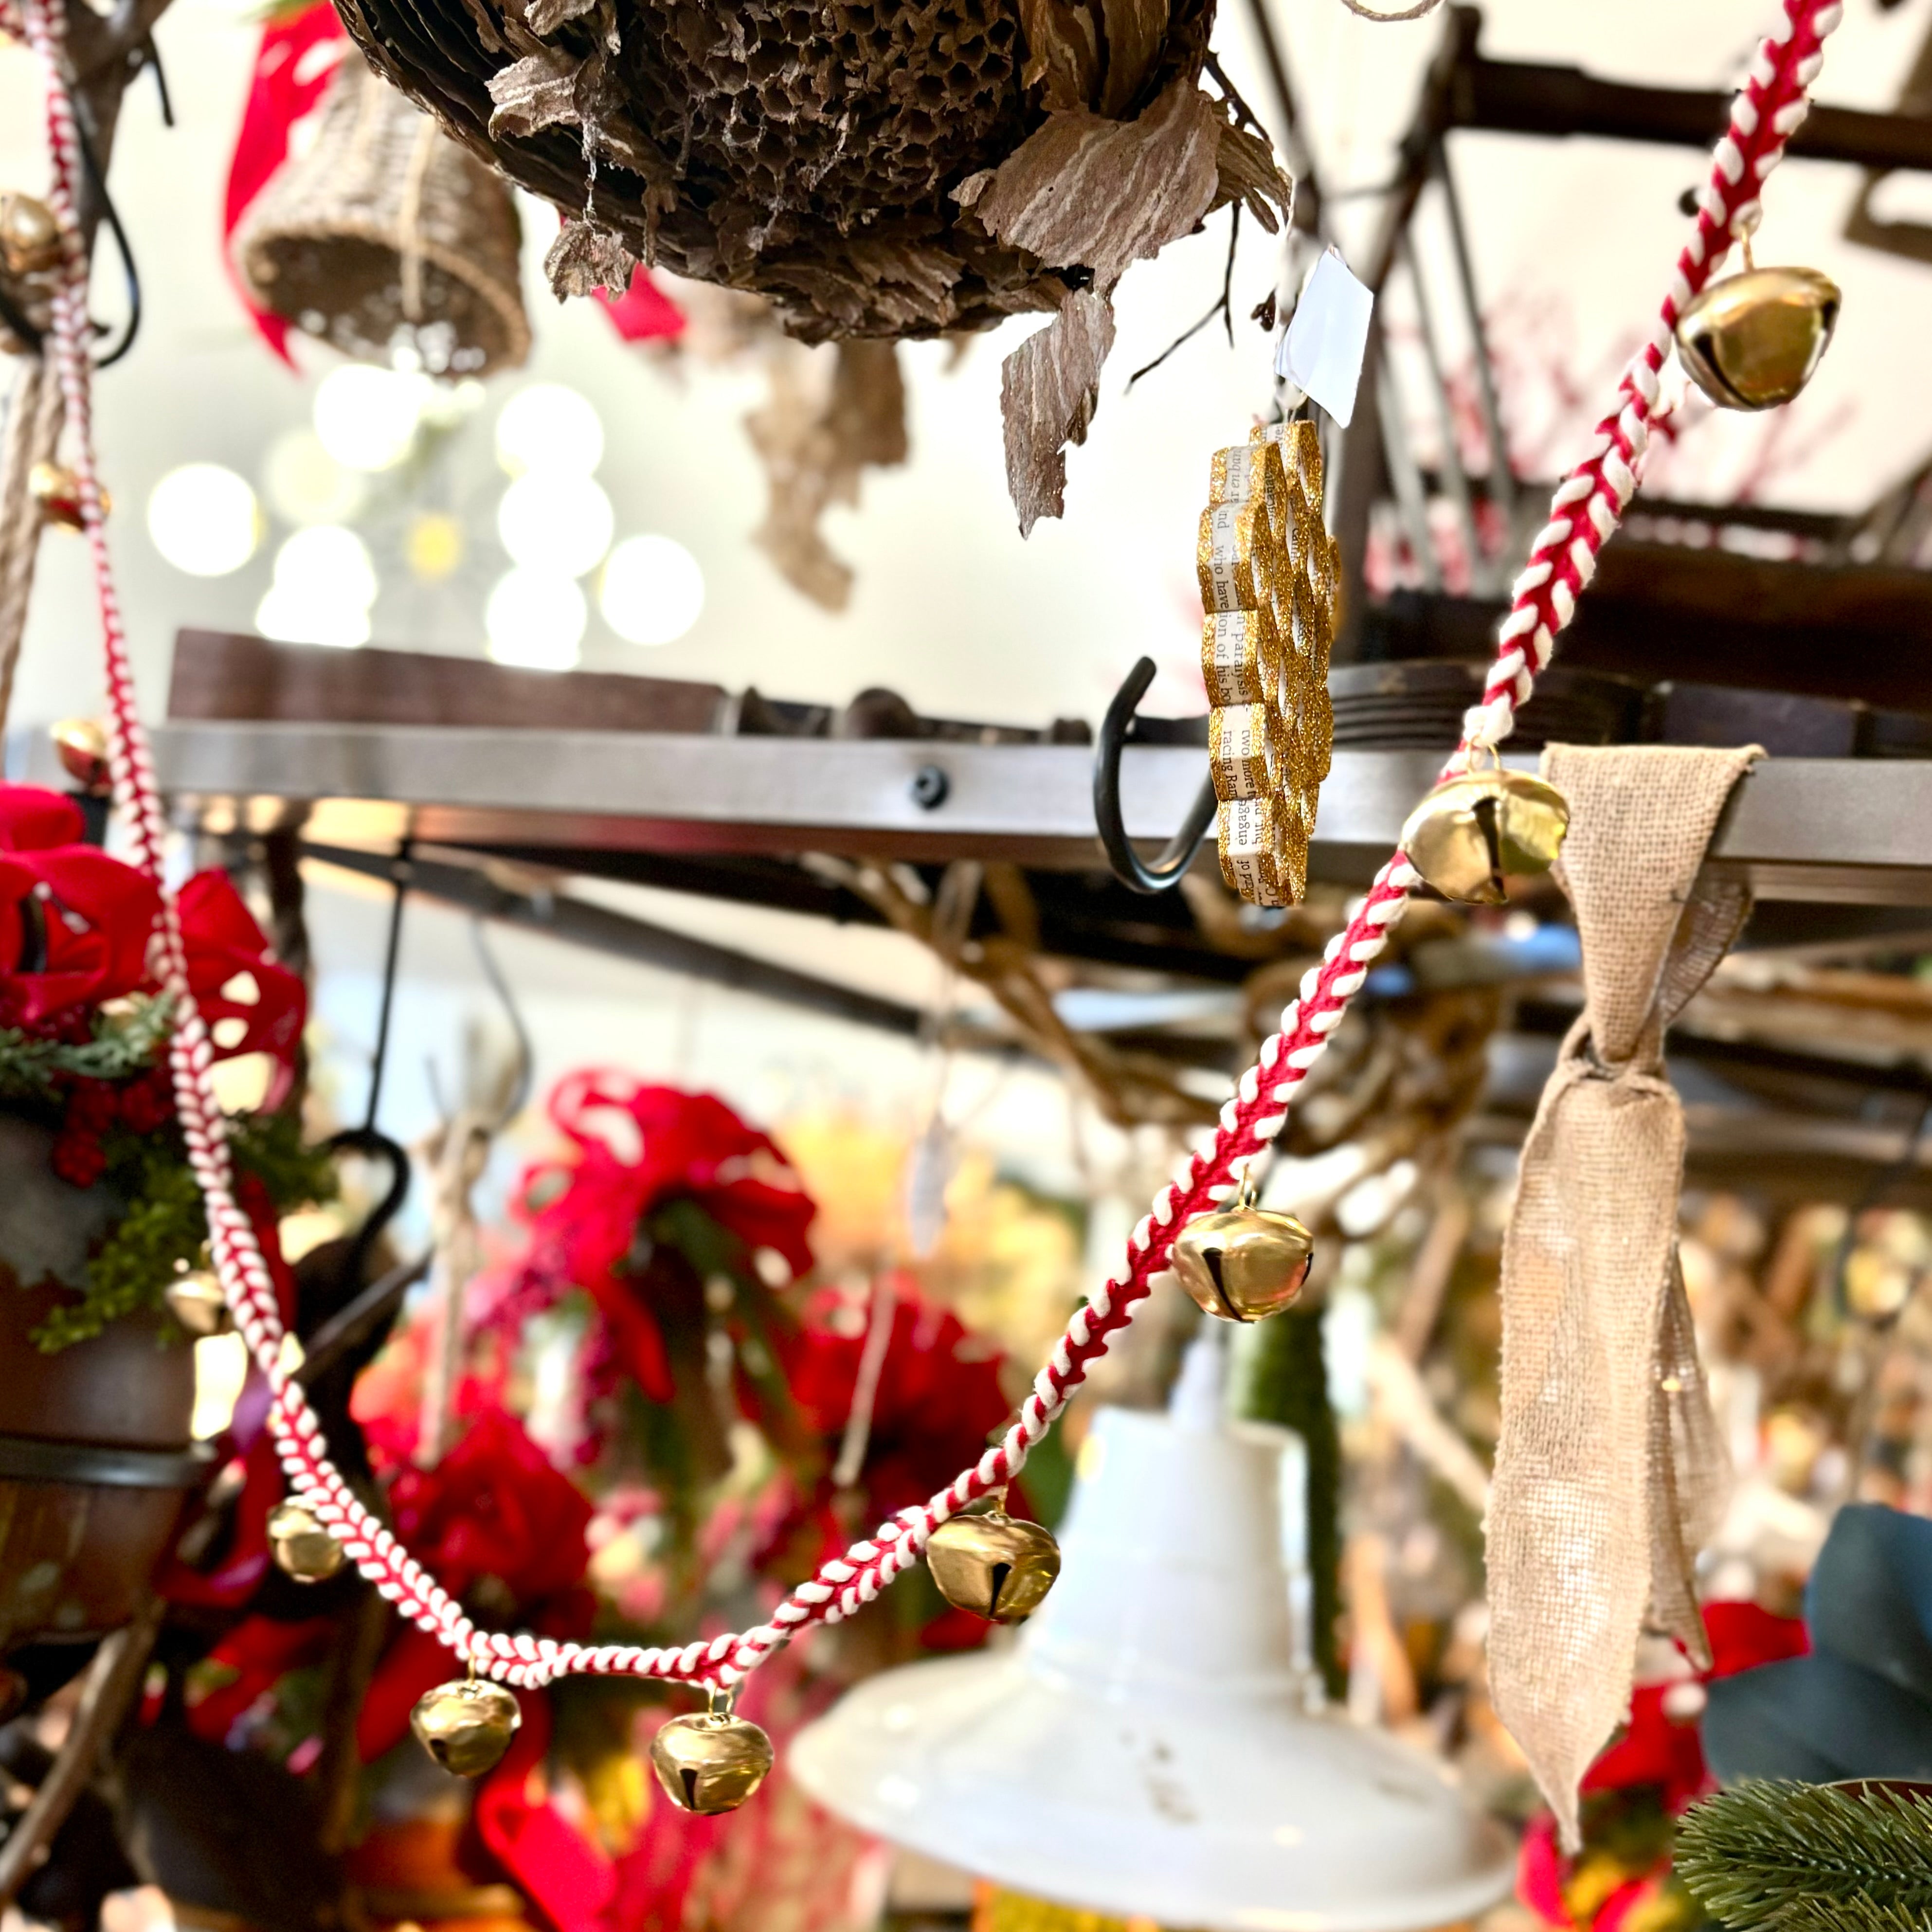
[
  {"x": 301, "y": 1545},
  {"x": 1476, "y": 830},
  {"x": 1586, "y": 512},
  {"x": 467, "y": 1726}
]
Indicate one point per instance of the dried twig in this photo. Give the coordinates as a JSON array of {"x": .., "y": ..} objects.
[
  {"x": 1225, "y": 306},
  {"x": 112, "y": 1678}
]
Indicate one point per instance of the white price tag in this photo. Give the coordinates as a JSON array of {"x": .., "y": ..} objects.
[{"x": 1322, "y": 353}]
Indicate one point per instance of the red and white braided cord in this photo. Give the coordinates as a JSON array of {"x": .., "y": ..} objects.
[{"x": 1585, "y": 510}]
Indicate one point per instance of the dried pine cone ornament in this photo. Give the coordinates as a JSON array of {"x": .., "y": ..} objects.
[{"x": 882, "y": 168}]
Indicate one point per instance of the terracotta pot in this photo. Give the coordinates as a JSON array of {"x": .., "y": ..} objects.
[{"x": 95, "y": 1461}]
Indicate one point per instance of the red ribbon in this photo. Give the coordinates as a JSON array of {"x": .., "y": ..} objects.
[
  {"x": 568, "y": 1878},
  {"x": 224, "y": 946},
  {"x": 75, "y": 924},
  {"x": 294, "y": 65},
  {"x": 644, "y": 313}
]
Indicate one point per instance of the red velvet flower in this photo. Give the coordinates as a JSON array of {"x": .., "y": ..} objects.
[
  {"x": 494, "y": 1506},
  {"x": 635, "y": 1148},
  {"x": 937, "y": 1399},
  {"x": 74, "y": 924}
]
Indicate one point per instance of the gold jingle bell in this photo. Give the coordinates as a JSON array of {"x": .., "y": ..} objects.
[
  {"x": 81, "y": 745},
  {"x": 1244, "y": 1263},
  {"x": 1475, "y": 829},
  {"x": 467, "y": 1725},
  {"x": 30, "y": 237},
  {"x": 302, "y": 1548},
  {"x": 712, "y": 1763},
  {"x": 56, "y": 489},
  {"x": 195, "y": 1300},
  {"x": 998, "y": 1566},
  {"x": 1751, "y": 341}
]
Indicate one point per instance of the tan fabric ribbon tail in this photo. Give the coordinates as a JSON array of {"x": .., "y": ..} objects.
[{"x": 1610, "y": 1471}]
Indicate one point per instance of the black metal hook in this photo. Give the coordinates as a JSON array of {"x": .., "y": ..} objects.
[
  {"x": 1128, "y": 867},
  {"x": 97, "y": 176}
]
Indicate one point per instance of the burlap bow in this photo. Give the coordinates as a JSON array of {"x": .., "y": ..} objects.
[{"x": 1610, "y": 1472}]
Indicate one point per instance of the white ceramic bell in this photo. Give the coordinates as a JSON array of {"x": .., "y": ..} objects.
[{"x": 1153, "y": 1745}]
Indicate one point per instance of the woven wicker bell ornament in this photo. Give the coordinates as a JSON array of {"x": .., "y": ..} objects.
[
  {"x": 711, "y": 1763},
  {"x": 301, "y": 1547},
  {"x": 387, "y": 236},
  {"x": 1478, "y": 830},
  {"x": 996, "y": 1566},
  {"x": 1245, "y": 1263},
  {"x": 467, "y": 1725},
  {"x": 1751, "y": 341}
]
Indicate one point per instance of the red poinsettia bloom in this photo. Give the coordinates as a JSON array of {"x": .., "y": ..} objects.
[
  {"x": 1660, "y": 1750},
  {"x": 74, "y": 924},
  {"x": 937, "y": 1396},
  {"x": 937, "y": 1399},
  {"x": 494, "y": 1506},
  {"x": 635, "y": 1148},
  {"x": 228, "y": 958}
]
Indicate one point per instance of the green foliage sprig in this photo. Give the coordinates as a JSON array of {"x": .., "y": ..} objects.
[
  {"x": 165, "y": 1221},
  {"x": 125, "y": 1042},
  {"x": 1778, "y": 1857}
]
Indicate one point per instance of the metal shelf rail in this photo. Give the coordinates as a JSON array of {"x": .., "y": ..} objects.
[{"x": 1847, "y": 831}]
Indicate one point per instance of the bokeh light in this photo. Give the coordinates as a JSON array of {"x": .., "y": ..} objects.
[
  {"x": 535, "y": 619},
  {"x": 368, "y": 419},
  {"x": 652, "y": 591},
  {"x": 559, "y": 523},
  {"x": 305, "y": 485},
  {"x": 324, "y": 586},
  {"x": 204, "y": 520},
  {"x": 549, "y": 429},
  {"x": 434, "y": 546}
]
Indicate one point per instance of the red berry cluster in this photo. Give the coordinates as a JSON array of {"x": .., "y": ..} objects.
[{"x": 93, "y": 1108}]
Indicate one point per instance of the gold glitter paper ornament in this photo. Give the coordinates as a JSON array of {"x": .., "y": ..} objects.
[
  {"x": 467, "y": 1725},
  {"x": 302, "y": 1547},
  {"x": 1270, "y": 579},
  {"x": 996, "y": 1566},
  {"x": 712, "y": 1763}
]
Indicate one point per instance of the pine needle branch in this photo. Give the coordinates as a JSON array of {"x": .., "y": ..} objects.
[{"x": 1776, "y": 1857}]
